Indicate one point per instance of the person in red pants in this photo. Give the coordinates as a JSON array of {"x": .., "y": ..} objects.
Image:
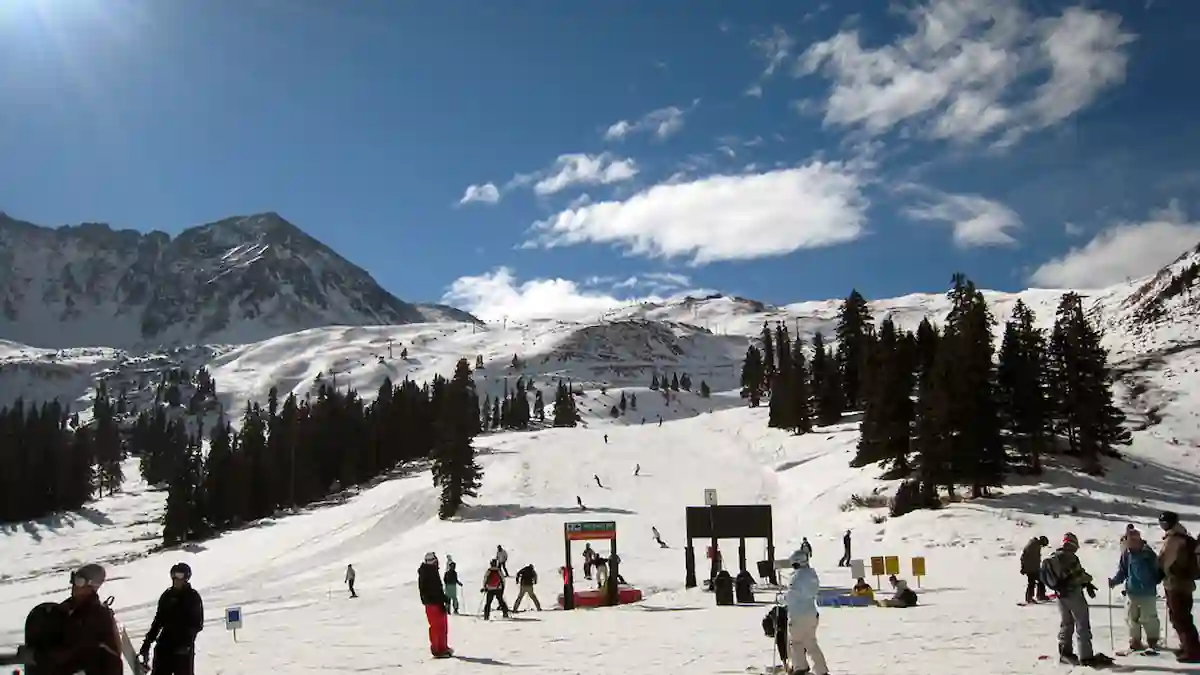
[{"x": 437, "y": 606}]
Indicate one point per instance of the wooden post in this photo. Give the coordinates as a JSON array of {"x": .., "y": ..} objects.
[
  {"x": 614, "y": 561},
  {"x": 689, "y": 562},
  {"x": 568, "y": 585},
  {"x": 742, "y": 554}
]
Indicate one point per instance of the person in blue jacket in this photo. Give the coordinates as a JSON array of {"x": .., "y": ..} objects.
[
  {"x": 1138, "y": 570},
  {"x": 803, "y": 618}
]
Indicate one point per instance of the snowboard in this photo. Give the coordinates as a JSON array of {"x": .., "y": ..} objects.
[
  {"x": 1139, "y": 652},
  {"x": 131, "y": 656}
]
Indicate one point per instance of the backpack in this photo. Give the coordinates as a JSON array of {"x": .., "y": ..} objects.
[
  {"x": 46, "y": 629},
  {"x": 493, "y": 580},
  {"x": 1191, "y": 553},
  {"x": 1049, "y": 573}
]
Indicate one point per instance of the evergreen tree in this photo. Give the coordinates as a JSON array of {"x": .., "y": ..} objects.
[
  {"x": 826, "y": 383},
  {"x": 768, "y": 355},
  {"x": 853, "y": 326},
  {"x": 623, "y": 404},
  {"x": 107, "y": 443},
  {"x": 1021, "y": 391},
  {"x": 675, "y": 382},
  {"x": 781, "y": 410},
  {"x": 685, "y": 382},
  {"x": 183, "y": 516},
  {"x": 565, "y": 413},
  {"x": 752, "y": 376},
  {"x": 886, "y": 387},
  {"x": 800, "y": 396},
  {"x": 539, "y": 406},
  {"x": 705, "y": 392},
  {"x": 454, "y": 467},
  {"x": 614, "y": 412},
  {"x": 654, "y": 382}
]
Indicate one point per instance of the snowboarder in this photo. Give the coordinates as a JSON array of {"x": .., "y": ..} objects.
[
  {"x": 77, "y": 635},
  {"x": 1177, "y": 563},
  {"x": 580, "y": 503},
  {"x": 1138, "y": 570},
  {"x": 1064, "y": 574},
  {"x": 904, "y": 596},
  {"x": 597, "y": 478},
  {"x": 526, "y": 580},
  {"x": 657, "y": 537},
  {"x": 437, "y": 606},
  {"x": 845, "y": 561},
  {"x": 179, "y": 618},
  {"x": 804, "y": 618},
  {"x": 451, "y": 584},
  {"x": 1031, "y": 561},
  {"x": 502, "y": 560},
  {"x": 493, "y": 587},
  {"x": 350, "y": 580},
  {"x": 806, "y": 547},
  {"x": 637, "y": 469},
  {"x": 606, "y": 439},
  {"x": 588, "y": 556},
  {"x": 660, "y": 420}
]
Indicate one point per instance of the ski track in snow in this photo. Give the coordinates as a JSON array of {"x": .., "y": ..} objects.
[{"x": 286, "y": 572}]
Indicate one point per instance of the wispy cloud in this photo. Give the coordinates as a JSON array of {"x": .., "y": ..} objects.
[
  {"x": 662, "y": 123},
  {"x": 487, "y": 193},
  {"x": 977, "y": 221},
  {"x": 1124, "y": 251},
  {"x": 583, "y": 169},
  {"x": 498, "y": 294},
  {"x": 775, "y": 49},
  {"x": 722, "y": 217},
  {"x": 955, "y": 76}
]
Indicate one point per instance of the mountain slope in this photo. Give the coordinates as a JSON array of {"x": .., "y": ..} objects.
[{"x": 237, "y": 280}]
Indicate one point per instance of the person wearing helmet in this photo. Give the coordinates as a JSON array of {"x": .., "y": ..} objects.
[
  {"x": 437, "y": 606},
  {"x": 89, "y": 641},
  {"x": 803, "y": 618},
  {"x": 177, "y": 621},
  {"x": 1031, "y": 564}
]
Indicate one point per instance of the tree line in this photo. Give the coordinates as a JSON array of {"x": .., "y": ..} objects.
[{"x": 941, "y": 407}]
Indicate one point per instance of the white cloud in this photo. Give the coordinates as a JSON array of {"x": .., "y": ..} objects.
[
  {"x": 754, "y": 90},
  {"x": 487, "y": 193},
  {"x": 1073, "y": 230},
  {"x": 722, "y": 217},
  {"x": 977, "y": 221},
  {"x": 956, "y": 76},
  {"x": 1123, "y": 251},
  {"x": 583, "y": 169},
  {"x": 774, "y": 48},
  {"x": 663, "y": 123},
  {"x": 498, "y": 294}
]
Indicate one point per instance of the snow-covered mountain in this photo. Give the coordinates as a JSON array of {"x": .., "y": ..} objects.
[{"x": 237, "y": 280}]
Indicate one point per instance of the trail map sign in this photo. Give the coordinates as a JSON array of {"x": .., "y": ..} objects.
[
  {"x": 585, "y": 531},
  {"x": 591, "y": 530}
]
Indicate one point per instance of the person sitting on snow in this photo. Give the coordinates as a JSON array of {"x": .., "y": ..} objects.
[
  {"x": 904, "y": 597},
  {"x": 1138, "y": 570},
  {"x": 863, "y": 590}
]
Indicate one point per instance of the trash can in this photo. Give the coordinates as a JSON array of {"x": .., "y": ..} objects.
[
  {"x": 723, "y": 588},
  {"x": 744, "y": 587},
  {"x": 764, "y": 569}
]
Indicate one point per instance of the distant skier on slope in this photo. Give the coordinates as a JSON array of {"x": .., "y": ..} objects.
[
  {"x": 637, "y": 470},
  {"x": 606, "y": 439},
  {"x": 437, "y": 606},
  {"x": 806, "y": 547},
  {"x": 660, "y": 420},
  {"x": 502, "y": 560},
  {"x": 526, "y": 580},
  {"x": 657, "y": 537},
  {"x": 804, "y": 618},
  {"x": 177, "y": 621},
  {"x": 1138, "y": 570},
  {"x": 580, "y": 503},
  {"x": 597, "y": 478},
  {"x": 845, "y": 560},
  {"x": 452, "y": 584},
  {"x": 1031, "y": 562},
  {"x": 493, "y": 587},
  {"x": 1064, "y": 574},
  {"x": 350, "y": 575}
]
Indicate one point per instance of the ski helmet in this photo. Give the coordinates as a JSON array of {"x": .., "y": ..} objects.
[
  {"x": 431, "y": 558},
  {"x": 1168, "y": 519},
  {"x": 89, "y": 575},
  {"x": 181, "y": 569}
]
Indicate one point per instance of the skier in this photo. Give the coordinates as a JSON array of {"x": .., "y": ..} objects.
[
  {"x": 526, "y": 579},
  {"x": 85, "y": 638},
  {"x": 657, "y": 537},
  {"x": 1064, "y": 574},
  {"x": 806, "y": 547},
  {"x": 451, "y": 584},
  {"x": 660, "y": 420},
  {"x": 637, "y": 469},
  {"x": 1138, "y": 570},
  {"x": 580, "y": 503},
  {"x": 598, "y": 483},
  {"x": 804, "y": 618},
  {"x": 502, "y": 560},
  {"x": 606, "y": 439},
  {"x": 179, "y": 618},
  {"x": 600, "y": 564},
  {"x": 437, "y": 606},
  {"x": 1177, "y": 563},
  {"x": 350, "y": 580},
  {"x": 845, "y": 561},
  {"x": 1031, "y": 561},
  {"x": 588, "y": 556},
  {"x": 493, "y": 586}
]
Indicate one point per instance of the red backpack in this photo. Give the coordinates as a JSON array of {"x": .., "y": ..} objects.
[{"x": 493, "y": 580}]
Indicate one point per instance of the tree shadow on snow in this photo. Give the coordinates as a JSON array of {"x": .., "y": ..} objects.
[{"x": 492, "y": 512}]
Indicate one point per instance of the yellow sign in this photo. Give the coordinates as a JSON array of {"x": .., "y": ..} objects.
[
  {"x": 877, "y": 569},
  {"x": 892, "y": 564},
  {"x": 918, "y": 565}
]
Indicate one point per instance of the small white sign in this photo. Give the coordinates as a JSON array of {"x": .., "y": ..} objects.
[
  {"x": 710, "y": 497},
  {"x": 233, "y": 618},
  {"x": 857, "y": 569}
]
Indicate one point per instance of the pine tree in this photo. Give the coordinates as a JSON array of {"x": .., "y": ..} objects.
[
  {"x": 752, "y": 376},
  {"x": 800, "y": 396},
  {"x": 705, "y": 392},
  {"x": 826, "y": 384},
  {"x": 1021, "y": 391},
  {"x": 781, "y": 410},
  {"x": 768, "y": 355},
  {"x": 685, "y": 382},
  {"x": 565, "y": 412},
  {"x": 183, "y": 510},
  {"x": 853, "y": 326},
  {"x": 623, "y": 404},
  {"x": 454, "y": 467},
  {"x": 614, "y": 412},
  {"x": 886, "y": 387},
  {"x": 654, "y": 382},
  {"x": 107, "y": 443},
  {"x": 675, "y": 382}
]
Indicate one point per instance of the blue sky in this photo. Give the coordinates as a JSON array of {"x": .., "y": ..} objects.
[{"x": 536, "y": 156}]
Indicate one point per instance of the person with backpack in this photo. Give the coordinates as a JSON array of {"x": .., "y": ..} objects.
[
  {"x": 493, "y": 586},
  {"x": 1138, "y": 570},
  {"x": 1031, "y": 562},
  {"x": 437, "y": 606},
  {"x": 1179, "y": 568},
  {"x": 452, "y": 584},
  {"x": 526, "y": 579},
  {"x": 1064, "y": 574},
  {"x": 76, "y": 635},
  {"x": 177, "y": 621}
]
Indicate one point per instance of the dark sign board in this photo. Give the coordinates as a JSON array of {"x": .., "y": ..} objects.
[{"x": 730, "y": 522}]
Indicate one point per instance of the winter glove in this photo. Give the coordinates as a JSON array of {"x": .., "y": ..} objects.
[
  {"x": 144, "y": 652},
  {"x": 1091, "y": 590}
]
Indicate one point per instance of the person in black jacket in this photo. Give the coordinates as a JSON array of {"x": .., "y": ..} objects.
[
  {"x": 452, "y": 584},
  {"x": 526, "y": 580},
  {"x": 437, "y": 606},
  {"x": 89, "y": 641},
  {"x": 179, "y": 618}
]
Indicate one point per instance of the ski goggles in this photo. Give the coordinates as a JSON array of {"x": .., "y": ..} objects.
[{"x": 179, "y": 576}]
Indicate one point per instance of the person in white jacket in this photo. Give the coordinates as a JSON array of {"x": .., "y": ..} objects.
[{"x": 803, "y": 618}]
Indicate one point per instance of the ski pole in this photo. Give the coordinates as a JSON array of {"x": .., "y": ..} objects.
[{"x": 1112, "y": 642}]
